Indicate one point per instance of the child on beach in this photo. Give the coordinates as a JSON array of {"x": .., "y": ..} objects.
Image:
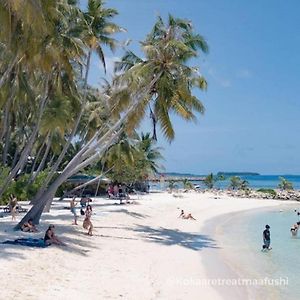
[{"x": 266, "y": 238}]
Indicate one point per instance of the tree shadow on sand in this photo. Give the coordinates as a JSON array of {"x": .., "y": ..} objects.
[
  {"x": 74, "y": 244},
  {"x": 130, "y": 213},
  {"x": 170, "y": 237}
]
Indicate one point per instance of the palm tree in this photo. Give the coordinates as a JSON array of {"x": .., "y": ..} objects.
[
  {"x": 285, "y": 184},
  {"x": 95, "y": 30},
  {"x": 187, "y": 184},
  {"x": 167, "y": 50},
  {"x": 235, "y": 182},
  {"x": 165, "y": 78}
]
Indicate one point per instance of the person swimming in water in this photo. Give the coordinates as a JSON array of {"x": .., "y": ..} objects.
[{"x": 294, "y": 229}]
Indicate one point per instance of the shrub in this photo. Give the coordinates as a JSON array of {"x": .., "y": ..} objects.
[{"x": 268, "y": 191}]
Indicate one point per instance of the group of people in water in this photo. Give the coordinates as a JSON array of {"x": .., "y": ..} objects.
[{"x": 267, "y": 234}]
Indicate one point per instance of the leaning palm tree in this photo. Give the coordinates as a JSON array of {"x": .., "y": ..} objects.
[
  {"x": 166, "y": 49},
  {"x": 95, "y": 28},
  {"x": 164, "y": 80}
]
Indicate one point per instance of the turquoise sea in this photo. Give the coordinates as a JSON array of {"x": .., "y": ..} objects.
[
  {"x": 255, "y": 182},
  {"x": 241, "y": 239}
]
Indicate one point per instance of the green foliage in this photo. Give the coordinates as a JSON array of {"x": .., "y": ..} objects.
[
  {"x": 268, "y": 191},
  {"x": 132, "y": 160},
  {"x": 210, "y": 180},
  {"x": 172, "y": 185},
  {"x": 22, "y": 190},
  {"x": 236, "y": 183},
  {"x": 167, "y": 51},
  {"x": 285, "y": 184},
  {"x": 187, "y": 184}
]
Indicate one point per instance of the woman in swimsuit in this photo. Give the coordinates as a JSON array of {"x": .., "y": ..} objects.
[
  {"x": 87, "y": 224},
  {"x": 50, "y": 237}
]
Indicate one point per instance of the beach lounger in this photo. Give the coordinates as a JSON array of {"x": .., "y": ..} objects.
[{"x": 20, "y": 209}]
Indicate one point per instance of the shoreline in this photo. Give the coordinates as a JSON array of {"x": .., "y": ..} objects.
[
  {"x": 138, "y": 251},
  {"x": 216, "y": 227}
]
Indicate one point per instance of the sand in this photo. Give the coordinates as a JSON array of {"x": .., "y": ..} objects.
[{"x": 138, "y": 251}]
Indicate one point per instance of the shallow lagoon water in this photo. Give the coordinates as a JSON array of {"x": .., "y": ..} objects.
[{"x": 241, "y": 239}]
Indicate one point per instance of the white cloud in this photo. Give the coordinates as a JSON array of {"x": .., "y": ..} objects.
[{"x": 244, "y": 74}]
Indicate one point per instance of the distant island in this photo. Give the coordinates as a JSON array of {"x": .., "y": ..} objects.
[{"x": 230, "y": 174}]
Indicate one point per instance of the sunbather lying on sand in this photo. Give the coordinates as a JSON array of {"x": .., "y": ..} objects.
[
  {"x": 29, "y": 226},
  {"x": 50, "y": 237},
  {"x": 186, "y": 216}
]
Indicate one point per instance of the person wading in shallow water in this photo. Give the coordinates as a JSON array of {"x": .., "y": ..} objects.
[{"x": 266, "y": 238}]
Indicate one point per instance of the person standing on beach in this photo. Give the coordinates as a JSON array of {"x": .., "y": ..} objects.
[
  {"x": 13, "y": 203},
  {"x": 267, "y": 238},
  {"x": 73, "y": 210},
  {"x": 87, "y": 223}
]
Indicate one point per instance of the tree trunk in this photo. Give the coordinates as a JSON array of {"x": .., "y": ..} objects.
[
  {"x": 84, "y": 158},
  {"x": 15, "y": 157},
  {"x": 7, "y": 141},
  {"x": 42, "y": 164},
  {"x": 71, "y": 137},
  {"x": 37, "y": 157},
  {"x": 24, "y": 155},
  {"x": 8, "y": 71}
]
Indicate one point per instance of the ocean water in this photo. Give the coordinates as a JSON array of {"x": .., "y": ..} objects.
[
  {"x": 255, "y": 182},
  {"x": 241, "y": 239}
]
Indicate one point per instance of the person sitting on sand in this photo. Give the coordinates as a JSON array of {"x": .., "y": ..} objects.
[
  {"x": 87, "y": 223},
  {"x": 73, "y": 210},
  {"x": 266, "y": 238},
  {"x": 29, "y": 226},
  {"x": 50, "y": 237}
]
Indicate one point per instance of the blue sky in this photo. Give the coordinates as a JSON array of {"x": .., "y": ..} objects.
[{"x": 252, "y": 104}]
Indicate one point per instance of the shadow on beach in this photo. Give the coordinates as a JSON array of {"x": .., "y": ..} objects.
[
  {"x": 170, "y": 237},
  {"x": 67, "y": 233}
]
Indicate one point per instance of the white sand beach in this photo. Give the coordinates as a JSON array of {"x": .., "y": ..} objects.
[{"x": 141, "y": 251}]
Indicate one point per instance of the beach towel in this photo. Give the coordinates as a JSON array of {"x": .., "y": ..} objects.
[{"x": 30, "y": 242}]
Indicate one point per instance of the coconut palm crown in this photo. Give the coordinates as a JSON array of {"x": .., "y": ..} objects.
[{"x": 167, "y": 51}]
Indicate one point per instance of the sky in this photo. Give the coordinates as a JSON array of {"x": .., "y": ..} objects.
[{"x": 251, "y": 122}]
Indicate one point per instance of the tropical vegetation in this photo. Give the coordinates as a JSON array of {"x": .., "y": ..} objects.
[
  {"x": 53, "y": 124},
  {"x": 210, "y": 180},
  {"x": 236, "y": 183},
  {"x": 285, "y": 185}
]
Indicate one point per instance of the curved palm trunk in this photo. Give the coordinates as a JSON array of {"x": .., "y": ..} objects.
[
  {"x": 8, "y": 71},
  {"x": 24, "y": 155},
  {"x": 43, "y": 161},
  {"x": 15, "y": 157},
  {"x": 37, "y": 157},
  {"x": 86, "y": 156},
  {"x": 7, "y": 141},
  {"x": 71, "y": 137}
]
